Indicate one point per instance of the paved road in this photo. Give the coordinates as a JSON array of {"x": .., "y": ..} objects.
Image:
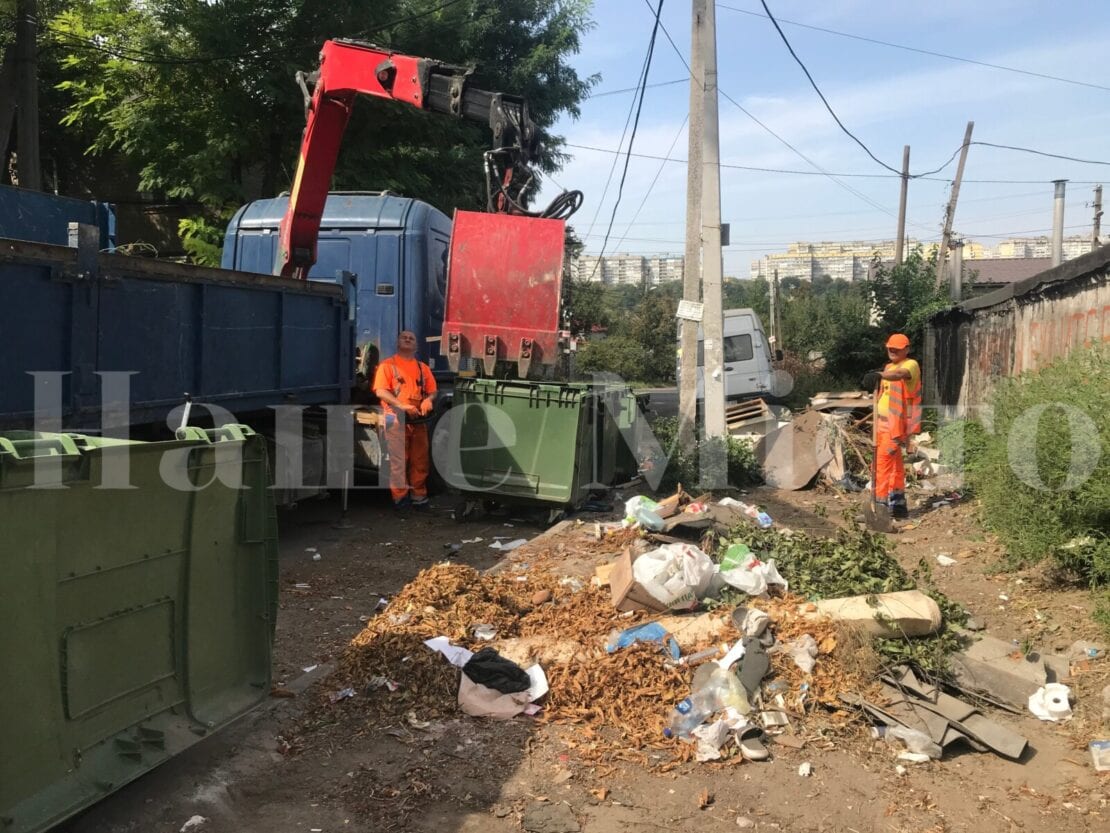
[{"x": 663, "y": 402}]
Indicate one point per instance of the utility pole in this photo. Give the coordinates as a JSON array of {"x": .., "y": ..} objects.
[
  {"x": 712, "y": 266},
  {"x": 900, "y": 243},
  {"x": 1095, "y": 233},
  {"x": 27, "y": 145},
  {"x": 691, "y": 267},
  {"x": 950, "y": 213},
  {"x": 7, "y": 103},
  {"x": 1058, "y": 221},
  {"x": 774, "y": 304}
]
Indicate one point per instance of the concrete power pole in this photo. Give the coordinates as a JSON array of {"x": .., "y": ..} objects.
[
  {"x": 950, "y": 213},
  {"x": 1095, "y": 232},
  {"x": 691, "y": 267},
  {"x": 773, "y": 287},
  {"x": 27, "y": 101},
  {"x": 1058, "y": 221},
  {"x": 712, "y": 266},
  {"x": 900, "y": 243}
]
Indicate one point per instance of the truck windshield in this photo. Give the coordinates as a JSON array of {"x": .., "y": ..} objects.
[{"x": 737, "y": 349}]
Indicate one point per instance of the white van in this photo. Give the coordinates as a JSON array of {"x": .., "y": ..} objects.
[{"x": 748, "y": 371}]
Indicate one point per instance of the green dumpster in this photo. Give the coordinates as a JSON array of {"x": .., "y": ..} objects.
[
  {"x": 133, "y": 621},
  {"x": 537, "y": 443}
]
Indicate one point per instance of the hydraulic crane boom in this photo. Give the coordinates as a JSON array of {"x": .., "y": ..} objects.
[{"x": 350, "y": 68}]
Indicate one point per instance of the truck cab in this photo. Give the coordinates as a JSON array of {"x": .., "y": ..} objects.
[
  {"x": 747, "y": 355},
  {"x": 395, "y": 247}
]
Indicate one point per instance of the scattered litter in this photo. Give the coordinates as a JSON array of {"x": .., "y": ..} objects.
[
  {"x": 675, "y": 575},
  {"x": 900, "y": 770},
  {"x": 377, "y": 682},
  {"x": 301, "y": 586},
  {"x": 1050, "y": 703},
  {"x": 472, "y": 540},
  {"x": 415, "y": 723},
  {"x": 342, "y": 694},
  {"x": 914, "y": 757},
  {"x": 310, "y": 668},
  {"x": 512, "y": 545},
  {"x": 1100, "y": 755},
  {"x": 805, "y": 770},
  {"x": 917, "y": 743},
  {"x": 484, "y": 632},
  {"x": 651, "y": 632},
  {"x": 310, "y": 549},
  {"x": 455, "y": 654},
  {"x": 383, "y": 602},
  {"x": 573, "y": 582},
  {"x": 194, "y": 821},
  {"x": 945, "y": 560},
  {"x": 734, "y": 654},
  {"x": 744, "y": 823},
  {"x": 754, "y": 577},
  {"x": 317, "y": 557},
  {"x": 803, "y": 651},
  {"x": 1082, "y": 650},
  {"x": 710, "y": 737},
  {"x": 642, "y": 511}
]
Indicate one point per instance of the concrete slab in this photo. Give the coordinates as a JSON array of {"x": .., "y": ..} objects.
[{"x": 999, "y": 669}]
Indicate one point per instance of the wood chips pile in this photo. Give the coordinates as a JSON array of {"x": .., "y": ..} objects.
[{"x": 617, "y": 703}]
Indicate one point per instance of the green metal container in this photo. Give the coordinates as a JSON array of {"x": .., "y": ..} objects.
[
  {"x": 133, "y": 621},
  {"x": 536, "y": 442}
]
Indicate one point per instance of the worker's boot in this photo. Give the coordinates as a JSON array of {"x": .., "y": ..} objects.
[{"x": 899, "y": 511}]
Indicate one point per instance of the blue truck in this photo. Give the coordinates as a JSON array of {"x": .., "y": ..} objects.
[
  {"x": 236, "y": 337},
  {"x": 395, "y": 247}
]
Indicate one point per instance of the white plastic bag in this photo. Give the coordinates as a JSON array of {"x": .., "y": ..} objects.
[
  {"x": 803, "y": 651},
  {"x": 677, "y": 575},
  {"x": 916, "y": 742},
  {"x": 754, "y": 576}
]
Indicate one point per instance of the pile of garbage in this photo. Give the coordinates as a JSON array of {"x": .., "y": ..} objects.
[{"x": 691, "y": 630}]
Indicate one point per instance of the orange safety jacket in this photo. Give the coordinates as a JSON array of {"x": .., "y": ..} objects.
[
  {"x": 903, "y": 401},
  {"x": 412, "y": 383}
]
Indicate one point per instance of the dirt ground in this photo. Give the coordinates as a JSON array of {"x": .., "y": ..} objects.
[{"x": 463, "y": 775}]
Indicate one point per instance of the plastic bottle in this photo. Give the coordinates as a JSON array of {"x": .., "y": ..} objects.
[
  {"x": 648, "y": 519},
  {"x": 687, "y": 716}
]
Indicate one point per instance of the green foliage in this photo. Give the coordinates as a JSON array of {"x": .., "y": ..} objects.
[
  {"x": 202, "y": 240},
  {"x": 1044, "y": 471},
  {"x": 682, "y": 465},
  {"x": 199, "y": 99},
  {"x": 617, "y": 354},
  {"x": 856, "y": 562},
  {"x": 904, "y": 297},
  {"x": 962, "y": 444}
]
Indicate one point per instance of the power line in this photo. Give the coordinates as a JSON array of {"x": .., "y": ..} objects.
[
  {"x": 757, "y": 169},
  {"x": 844, "y": 185},
  {"x": 635, "y": 127},
  {"x": 922, "y": 51},
  {"x": 1042, "y": 153},
  {"x": 636, "y": 89},
  {"x": 651, "y": 187},
  {"x": 821, "y": 95}
]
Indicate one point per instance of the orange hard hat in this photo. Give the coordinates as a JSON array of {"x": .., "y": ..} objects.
[{"x": 898, "y": 341}]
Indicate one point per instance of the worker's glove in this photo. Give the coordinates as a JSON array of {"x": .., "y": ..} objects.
[
  {"x": 870, "y": 380},
  {"x": 426, "y": 407}
]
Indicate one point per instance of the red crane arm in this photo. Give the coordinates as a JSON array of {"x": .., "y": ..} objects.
[{"x": 350, "y": 68}]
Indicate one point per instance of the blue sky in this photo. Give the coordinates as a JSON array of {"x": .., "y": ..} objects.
[{"x": 887, "y": 97}]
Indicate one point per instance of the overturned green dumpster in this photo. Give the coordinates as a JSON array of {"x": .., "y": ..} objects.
[{"x": 137, "y": 607}]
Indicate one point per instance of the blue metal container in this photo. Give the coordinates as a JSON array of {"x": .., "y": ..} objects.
[{"x": 45, "y": 218}]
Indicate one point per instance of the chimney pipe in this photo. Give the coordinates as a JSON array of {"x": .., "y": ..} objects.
[
  {"x": 1058, "y": 223},
  {"x": 956, "y": 283}
]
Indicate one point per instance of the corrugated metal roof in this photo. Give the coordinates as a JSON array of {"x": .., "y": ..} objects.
[{"x": 1001, "y": 271}]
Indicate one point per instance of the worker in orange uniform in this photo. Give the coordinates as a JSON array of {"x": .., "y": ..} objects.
[
  {"x": 897, "y": 419},
  {"x": 407, "y": 390}
]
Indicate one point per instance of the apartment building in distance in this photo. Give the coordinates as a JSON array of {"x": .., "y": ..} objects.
[
  {"x": 628, "y": 269},
  {"x": 851, "y": 261}
]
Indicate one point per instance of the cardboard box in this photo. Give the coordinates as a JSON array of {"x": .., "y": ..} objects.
[{"x": 629, "y": 594}]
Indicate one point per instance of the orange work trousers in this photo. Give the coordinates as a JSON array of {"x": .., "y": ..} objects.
[
  {"x": 408, "y": 459},
  {"x": 890, "y": 469}
]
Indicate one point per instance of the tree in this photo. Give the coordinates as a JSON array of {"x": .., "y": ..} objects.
[
  {"x": 904, "y": 296},
  {"x": 199, "y": 97}
]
